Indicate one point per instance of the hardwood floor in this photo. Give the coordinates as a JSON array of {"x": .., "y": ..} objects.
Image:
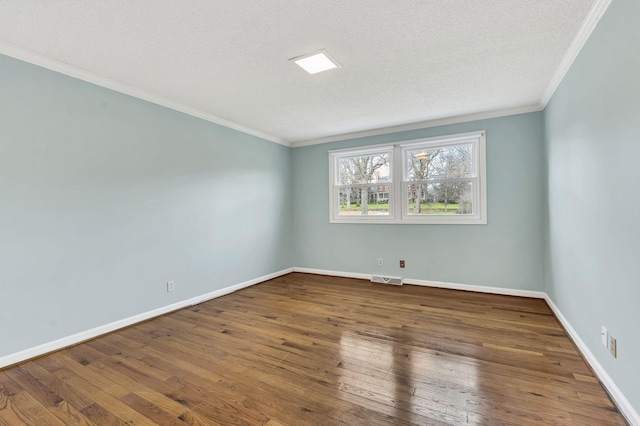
[{"x": 306, "y": 349}]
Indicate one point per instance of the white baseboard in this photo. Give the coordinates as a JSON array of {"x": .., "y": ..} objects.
[
  {"x": 74, "y": 339},
  {"x": 623, "y": 403},
  {"x": 478, "y": 288},
  {"x": 616, "y": 394},
  {"x": 333, "y": 273},
  {"x": 438, "y": 284}
]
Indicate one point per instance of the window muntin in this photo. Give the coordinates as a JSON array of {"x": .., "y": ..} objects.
[
  {"x": 364, "y": 168},
  {"x": 435, "y": 180},
  {"x": 439, "y": 179},
  {"x": 363, "y": 201},
  {"x": 364, "y": 183}
]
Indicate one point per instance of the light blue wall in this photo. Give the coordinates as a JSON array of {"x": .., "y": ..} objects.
[
  {"x": 104, "y": 198},
  {"x": 593, "y": 153},
  {"x": 507, "y": 252}
]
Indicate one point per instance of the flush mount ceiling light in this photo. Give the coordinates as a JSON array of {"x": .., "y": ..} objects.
[{"x": 316, "y": 62}]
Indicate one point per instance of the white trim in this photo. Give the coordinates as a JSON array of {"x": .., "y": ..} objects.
[
  {"x": 425, "y": 283},
  {"x": 88, "y": 76},
  {"x": 368, "y": 149},
  {"x": 81, "y": 74},
  {"x": 334, "y": 189},
  {"x": 398, "y": 213},
  {"x": 616, "y": 394},
  {"x": 478, "y": 141},
  {"x": 478, "y": 288},
  {"x": 452, "y": 139},
  {"x": 333, "y": 273},
  {"x": 74, "y": 339},
  {"x": 421, "y": 125},
  {"x": 588, "y": 25}
]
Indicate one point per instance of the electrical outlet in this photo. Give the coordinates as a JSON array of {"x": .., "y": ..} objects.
[
  {"x": 613, "y": 346},
  {"x": 171, "y": 285},
  {"x": 380, "y": 262},
  {"x": 402, "y": 263},
  {"x": 604, "y": 336}
]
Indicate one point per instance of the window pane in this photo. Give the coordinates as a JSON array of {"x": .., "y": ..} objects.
[
  {"x": 435, "y": 180},
  {"x": 440, "y": 198},
  {"x": 369, "y": 201},
  {"x": 448, "y": 162},
  {"x": 372, "y": 168}
]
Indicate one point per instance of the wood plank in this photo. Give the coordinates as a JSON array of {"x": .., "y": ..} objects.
[
  {"x": 42, "y": 385},
  {"x": 308, "y": 349}
]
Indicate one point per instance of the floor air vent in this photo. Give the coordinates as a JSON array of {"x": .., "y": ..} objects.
[{"x": 386, "y": 280}]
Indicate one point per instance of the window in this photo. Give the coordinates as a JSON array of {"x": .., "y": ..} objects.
[
  {"x": 363, "y": 184},
  {"x": 435, "y": 180}
]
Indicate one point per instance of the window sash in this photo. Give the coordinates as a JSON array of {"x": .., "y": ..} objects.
[
  {"x": 407, "y": 148},
  {"x": 475, "y": 200},
  {"x": 376, "y": 214},
  {"x": 398, "y": 184}
]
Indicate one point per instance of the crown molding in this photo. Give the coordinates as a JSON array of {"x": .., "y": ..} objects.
[
  {"x": 43, "y": 61},
  {"x": 49, "y": 63},
  {"x": 422, "y": 125},
  {"x": 588, "y": 25},
  {"x": 593, "y": 17}
]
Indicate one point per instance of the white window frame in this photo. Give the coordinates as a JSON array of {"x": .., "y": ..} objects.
[
  {"x": 398, "y": 196},
  {"x": 334, "y": 188}
]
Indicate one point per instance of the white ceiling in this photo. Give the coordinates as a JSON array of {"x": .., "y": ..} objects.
[{"x": 405, "y": 63}]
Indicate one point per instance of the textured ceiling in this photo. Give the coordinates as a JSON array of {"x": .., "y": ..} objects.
[{"x": 403, "y": 61}]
